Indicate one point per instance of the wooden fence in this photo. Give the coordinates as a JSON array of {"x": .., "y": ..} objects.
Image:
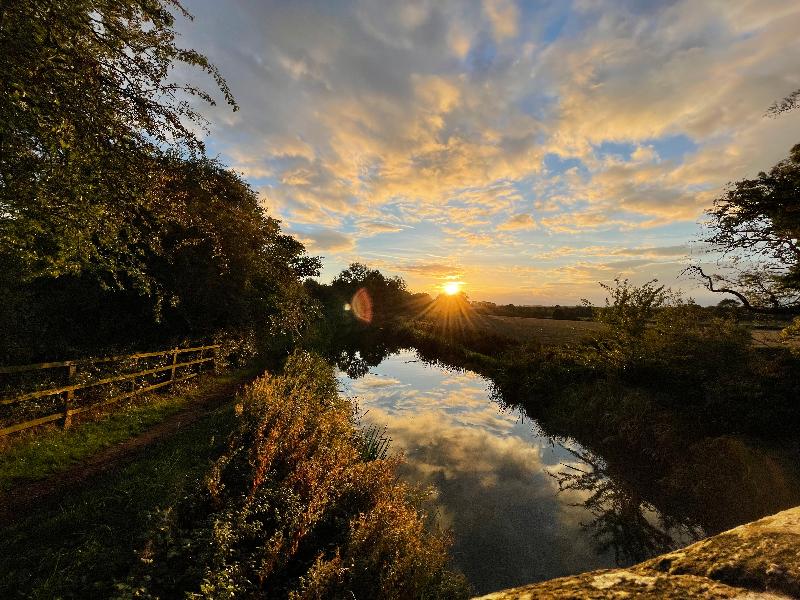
[{"x": 68, "y": 391}]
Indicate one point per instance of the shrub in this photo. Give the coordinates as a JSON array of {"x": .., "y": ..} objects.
[
  {"x": 673, "y": 350},
  {"x": 293, "y": 509}
]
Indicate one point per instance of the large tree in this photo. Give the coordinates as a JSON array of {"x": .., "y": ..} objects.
[
  {"x": 114, "y": 227},
  {"x": 87, "y": 100},
  {"x": 756, "y": 225}
]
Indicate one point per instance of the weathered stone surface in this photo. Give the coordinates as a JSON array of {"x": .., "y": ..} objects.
[
  {"x": 763, "y": 555},
  {"x": 757, "y": 560},
  {"x": 621, "y": 584}
]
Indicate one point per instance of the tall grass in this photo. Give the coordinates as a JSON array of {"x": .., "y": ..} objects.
[
  {"x": 295, "y": 508},
  {"x": 374, "y": 443}
]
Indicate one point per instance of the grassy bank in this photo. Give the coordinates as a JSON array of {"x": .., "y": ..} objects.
[
  {"x": 699, "y": 419},
  {"x": 279, "y": 494},
  {"x": 79, "y": 544},
  {"x": 39, "y": 453}
]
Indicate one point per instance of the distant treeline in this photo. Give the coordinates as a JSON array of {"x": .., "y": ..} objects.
[
  {"x": 572, "y": 313},
  {"x": 724, "y": 309}
]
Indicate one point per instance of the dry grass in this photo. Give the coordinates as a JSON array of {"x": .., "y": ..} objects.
[
  {"x": 548, "y": 332},
  {"x": 293, "y": 509}
]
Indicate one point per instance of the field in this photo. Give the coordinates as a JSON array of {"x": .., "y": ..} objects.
[
  {"x": 549, "y": 332},
  {"x": 552, "y": 332}
]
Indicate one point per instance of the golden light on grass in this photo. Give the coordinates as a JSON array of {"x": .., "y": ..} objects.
[{"x": 451, "y": 288}]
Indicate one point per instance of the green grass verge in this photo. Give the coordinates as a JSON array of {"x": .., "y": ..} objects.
[
  {"x": 77, "y": 545},
  {"x": 41, "y": 454}
]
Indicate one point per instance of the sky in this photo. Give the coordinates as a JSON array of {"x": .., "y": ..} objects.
[{"x": 529, "y": 149}]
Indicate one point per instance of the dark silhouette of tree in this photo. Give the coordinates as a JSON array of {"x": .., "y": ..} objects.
[
  {"x": 790, "y": 102},
  {"x": 756, "y": 225},
  {"x": 388, "y": 295}
]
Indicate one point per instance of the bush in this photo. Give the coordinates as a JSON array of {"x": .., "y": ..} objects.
[
  {"x": 294, "y": 509},
  {"x": 673, "y": 350}
]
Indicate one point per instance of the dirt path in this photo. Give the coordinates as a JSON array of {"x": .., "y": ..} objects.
[{"x": 20, "y": 499}]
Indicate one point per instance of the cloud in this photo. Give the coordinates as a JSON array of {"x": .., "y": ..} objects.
[
  {"x": 321, "y": 240},
  {"x": 376, "y": 227},
  {"x": 444, "y": 123},
  {"x": 611, "y": 251},
  {"x": 504, "y": 17},
  {"x": 519, "y": 221},
  {"x": 437, "y": 270},
  {"x": 371, "y": 381},
  {"x": 667, "y": 251}
]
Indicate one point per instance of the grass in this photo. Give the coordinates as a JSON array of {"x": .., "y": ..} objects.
[
  {"x": 41, "y": 453},
  {"x": 294, "y": 509},
  {"x": 548, "y": 332},
  {"x": 289, "y": 504},
  {"x": 78, "y": 545}
]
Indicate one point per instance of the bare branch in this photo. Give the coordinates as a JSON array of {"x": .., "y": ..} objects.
[{"x": 776, "y": 309}]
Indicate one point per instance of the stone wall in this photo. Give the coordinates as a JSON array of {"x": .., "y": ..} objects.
[{"x": 757, "y": 560}]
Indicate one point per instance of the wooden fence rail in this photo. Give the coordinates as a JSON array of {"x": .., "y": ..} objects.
[{"x": 71, "y": 366}]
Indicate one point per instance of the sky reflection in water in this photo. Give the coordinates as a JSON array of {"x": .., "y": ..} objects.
[{"x": 489, "y": 469}]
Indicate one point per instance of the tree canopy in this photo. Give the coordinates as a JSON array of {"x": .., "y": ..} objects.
[
  {"x": 756, "y": 224},
  {"x": 87, "y": 102},
  {"x": 115, "y": 229}
]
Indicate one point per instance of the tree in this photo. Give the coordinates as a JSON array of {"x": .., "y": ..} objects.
[
  {"x": 790, "y": 102},
  {"x": 114, "y": 227},
  {"x": 87, "y": 101},
  {"x": 388, "y": 295},
  {"x": 628, "y": 307},
  {"x": 220, "y": 261},
  {"x": 756, "y": 225},
  {"x": 213, "y": 259}
]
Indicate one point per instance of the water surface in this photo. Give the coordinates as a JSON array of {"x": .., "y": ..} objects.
[{"x": 494, "y": 478}]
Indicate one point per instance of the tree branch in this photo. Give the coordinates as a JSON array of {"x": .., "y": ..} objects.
[{"x": 709, "y": 283}]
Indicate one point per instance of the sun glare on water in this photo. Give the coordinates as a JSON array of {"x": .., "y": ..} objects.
[{"x": 451, "y": 288}]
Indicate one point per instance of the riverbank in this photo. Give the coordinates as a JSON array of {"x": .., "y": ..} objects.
[
  {"x": 277, "y": 491},
  {"x": 704, "y": 461},
  {"x": 581, "y": 479}
]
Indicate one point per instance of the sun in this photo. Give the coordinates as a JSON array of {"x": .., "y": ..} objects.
[{"x": 451, "y": 288}]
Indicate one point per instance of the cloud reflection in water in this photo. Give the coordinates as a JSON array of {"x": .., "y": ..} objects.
[{"x": 489, "y": 471}]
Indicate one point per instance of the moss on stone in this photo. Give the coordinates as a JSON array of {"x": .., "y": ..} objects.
[{"x": 757, "y": 560}]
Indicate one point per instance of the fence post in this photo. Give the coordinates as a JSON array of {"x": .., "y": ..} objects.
[
  {"x": 174, "y": 361},
  {"x": 69, "y": 397}
]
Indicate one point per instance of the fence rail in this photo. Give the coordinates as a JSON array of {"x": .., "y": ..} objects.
[{"x": 68, "y": 391}]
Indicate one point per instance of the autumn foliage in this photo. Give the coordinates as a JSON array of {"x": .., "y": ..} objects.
[{"x": 295, "y": 508}]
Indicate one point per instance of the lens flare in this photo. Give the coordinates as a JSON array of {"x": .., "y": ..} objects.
[
  {"x": 361, "y": 304},
  {"x": 451, "y": 288}
]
